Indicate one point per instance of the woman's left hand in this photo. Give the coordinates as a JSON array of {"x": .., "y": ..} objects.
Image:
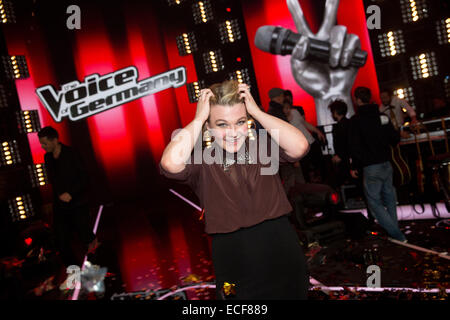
[{"x": 250, "y": 104}]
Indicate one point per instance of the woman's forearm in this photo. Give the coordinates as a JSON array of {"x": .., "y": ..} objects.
[
  {"x": 180, "y": 147},
  {"x": 290, "y": 139}
]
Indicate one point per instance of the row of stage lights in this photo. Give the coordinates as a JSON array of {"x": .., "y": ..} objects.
[
  {"x": 413, "y": 10},
  {"x": 229, "y": 32},
  {"x": 242, "y": 76},
  {"x": 392, "y": 43},
  {"x": 443, "y": 31},
  {"x": 423, "y": 65},
  {"x": 213, "y": 61},
  {"x": 10, "y": 156},
  {"x": 21, "y": 207},
  {"x": 405, "y": 94},
  {"x": 15, "y": 67},
  {"x": 6, "y": 12}
]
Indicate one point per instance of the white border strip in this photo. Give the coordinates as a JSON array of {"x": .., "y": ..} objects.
[
  {"x": 412, "y": 246},
  {"x": 186, "y": 200},
  {"x": 186, "y": 288},
  {"x": 407, "y": 212},
  {"x": 353, "y": 289}
]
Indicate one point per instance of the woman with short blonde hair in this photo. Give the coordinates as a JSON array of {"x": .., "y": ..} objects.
[{"x": 255, "y": 249}]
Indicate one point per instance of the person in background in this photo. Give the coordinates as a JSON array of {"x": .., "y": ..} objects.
[
  {"x": 341, "y": 159},
  {"x": 370, "y": 135},
  {"x": 290, "y": 98},
  {"x": 276, "y": 103},
  {"x": 69, "y": 181},
  {"x": 394, "y": 107},
  {"x": 313, "y": 163},
  {"x": 292, "y": 173}
]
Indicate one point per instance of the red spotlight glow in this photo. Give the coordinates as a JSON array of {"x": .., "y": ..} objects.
[
  {"x": 228, "y": 9},
  {"x": 28, "y": 241},
  {"x": 334, "y": 198},
  {"x": 238, "y": 59}
]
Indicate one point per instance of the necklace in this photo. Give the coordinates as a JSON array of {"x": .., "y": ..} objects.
[{"x": 241, "y": 158}]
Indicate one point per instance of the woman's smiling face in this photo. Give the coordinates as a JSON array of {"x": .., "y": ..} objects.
[{"x": 228, "y": 125}]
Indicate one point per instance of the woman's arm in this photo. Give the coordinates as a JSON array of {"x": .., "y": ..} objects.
[
  {"x": 290, "y": 139},
  {"x": 180, "y": 147}
]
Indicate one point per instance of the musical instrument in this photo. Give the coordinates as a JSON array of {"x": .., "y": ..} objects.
[
  {"x": 435, "y": 129},
  {"x": 440, "y": 165},
  {"x": 402, "y": 174}
]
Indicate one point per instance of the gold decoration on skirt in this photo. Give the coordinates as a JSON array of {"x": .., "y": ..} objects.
[
  {"x": 191, "y": 278},
  {"x": 229, "y": 288}
]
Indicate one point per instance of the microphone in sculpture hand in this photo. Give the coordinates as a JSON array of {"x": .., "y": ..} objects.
[
  {"x": 278, "y": 40},
  {"x": 324, "y": 64}
]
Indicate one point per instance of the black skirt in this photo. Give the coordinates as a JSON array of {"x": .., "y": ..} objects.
[{"x": 264, "y": 261}]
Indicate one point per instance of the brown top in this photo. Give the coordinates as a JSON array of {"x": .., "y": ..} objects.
[{"x": 240, "y": 196}]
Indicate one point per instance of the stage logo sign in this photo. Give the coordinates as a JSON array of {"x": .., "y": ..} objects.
[{"x": 98, "y": 93}]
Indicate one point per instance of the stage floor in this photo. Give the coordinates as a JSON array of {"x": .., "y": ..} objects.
[{"x": 147, "y": 248}]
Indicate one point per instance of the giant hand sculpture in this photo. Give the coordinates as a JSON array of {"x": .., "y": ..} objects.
[{"x": 326, "y": 82}]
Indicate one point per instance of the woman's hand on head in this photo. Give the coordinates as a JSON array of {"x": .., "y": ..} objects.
[
  {"x": 250, "y": 104},
  {"x": 203, "y": 106}
]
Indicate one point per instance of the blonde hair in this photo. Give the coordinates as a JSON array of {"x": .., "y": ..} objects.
[{"x": 225, "y": 93}]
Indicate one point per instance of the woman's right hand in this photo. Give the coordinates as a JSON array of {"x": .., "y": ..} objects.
[{"x": 203, "y": 106}]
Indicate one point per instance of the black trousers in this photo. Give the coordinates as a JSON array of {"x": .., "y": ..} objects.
[
  {"x": 71, "y": 225},
  {"x": 264, "y": 261}
]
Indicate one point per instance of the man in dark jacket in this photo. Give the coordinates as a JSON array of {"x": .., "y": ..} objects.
[
  {"x": 341, "y": 156},
  {"x": 370, "y": 136},
  {"x": 276, "y": 103},
  {"x": 69, "y": 181}
]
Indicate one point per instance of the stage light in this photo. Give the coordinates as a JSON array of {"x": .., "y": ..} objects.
[
  {"x": 391, "y": 43},
  {"x": 241, "y": 76},
  {"x": 28, "y": 241},
  {"x": 15, "y": 67},
  {"x": 202, "y": 11},
  {"x": 38, "y": 175},
  {"x": 334, "y": 198},
  {"x": 405, "y": 94},
  {"x": 213, "y": 61},
  {"x": 21, "y": 208},
  {"x": 194, "y": 90},
  {"x": 424, "y": 65},
  {"x": 7, "y": 12},
  {"x": 186, "y": 43},
  {"x": 9, "y": 154},
  {"x": 229, "y": 31},
  {"x": 413, "y": 10},
  {"x": 3, "y": 97},
  {"x": 28, "y": 121},
  {"x": 174, "y": 2},
  {"x": 443, "y": 31}
]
